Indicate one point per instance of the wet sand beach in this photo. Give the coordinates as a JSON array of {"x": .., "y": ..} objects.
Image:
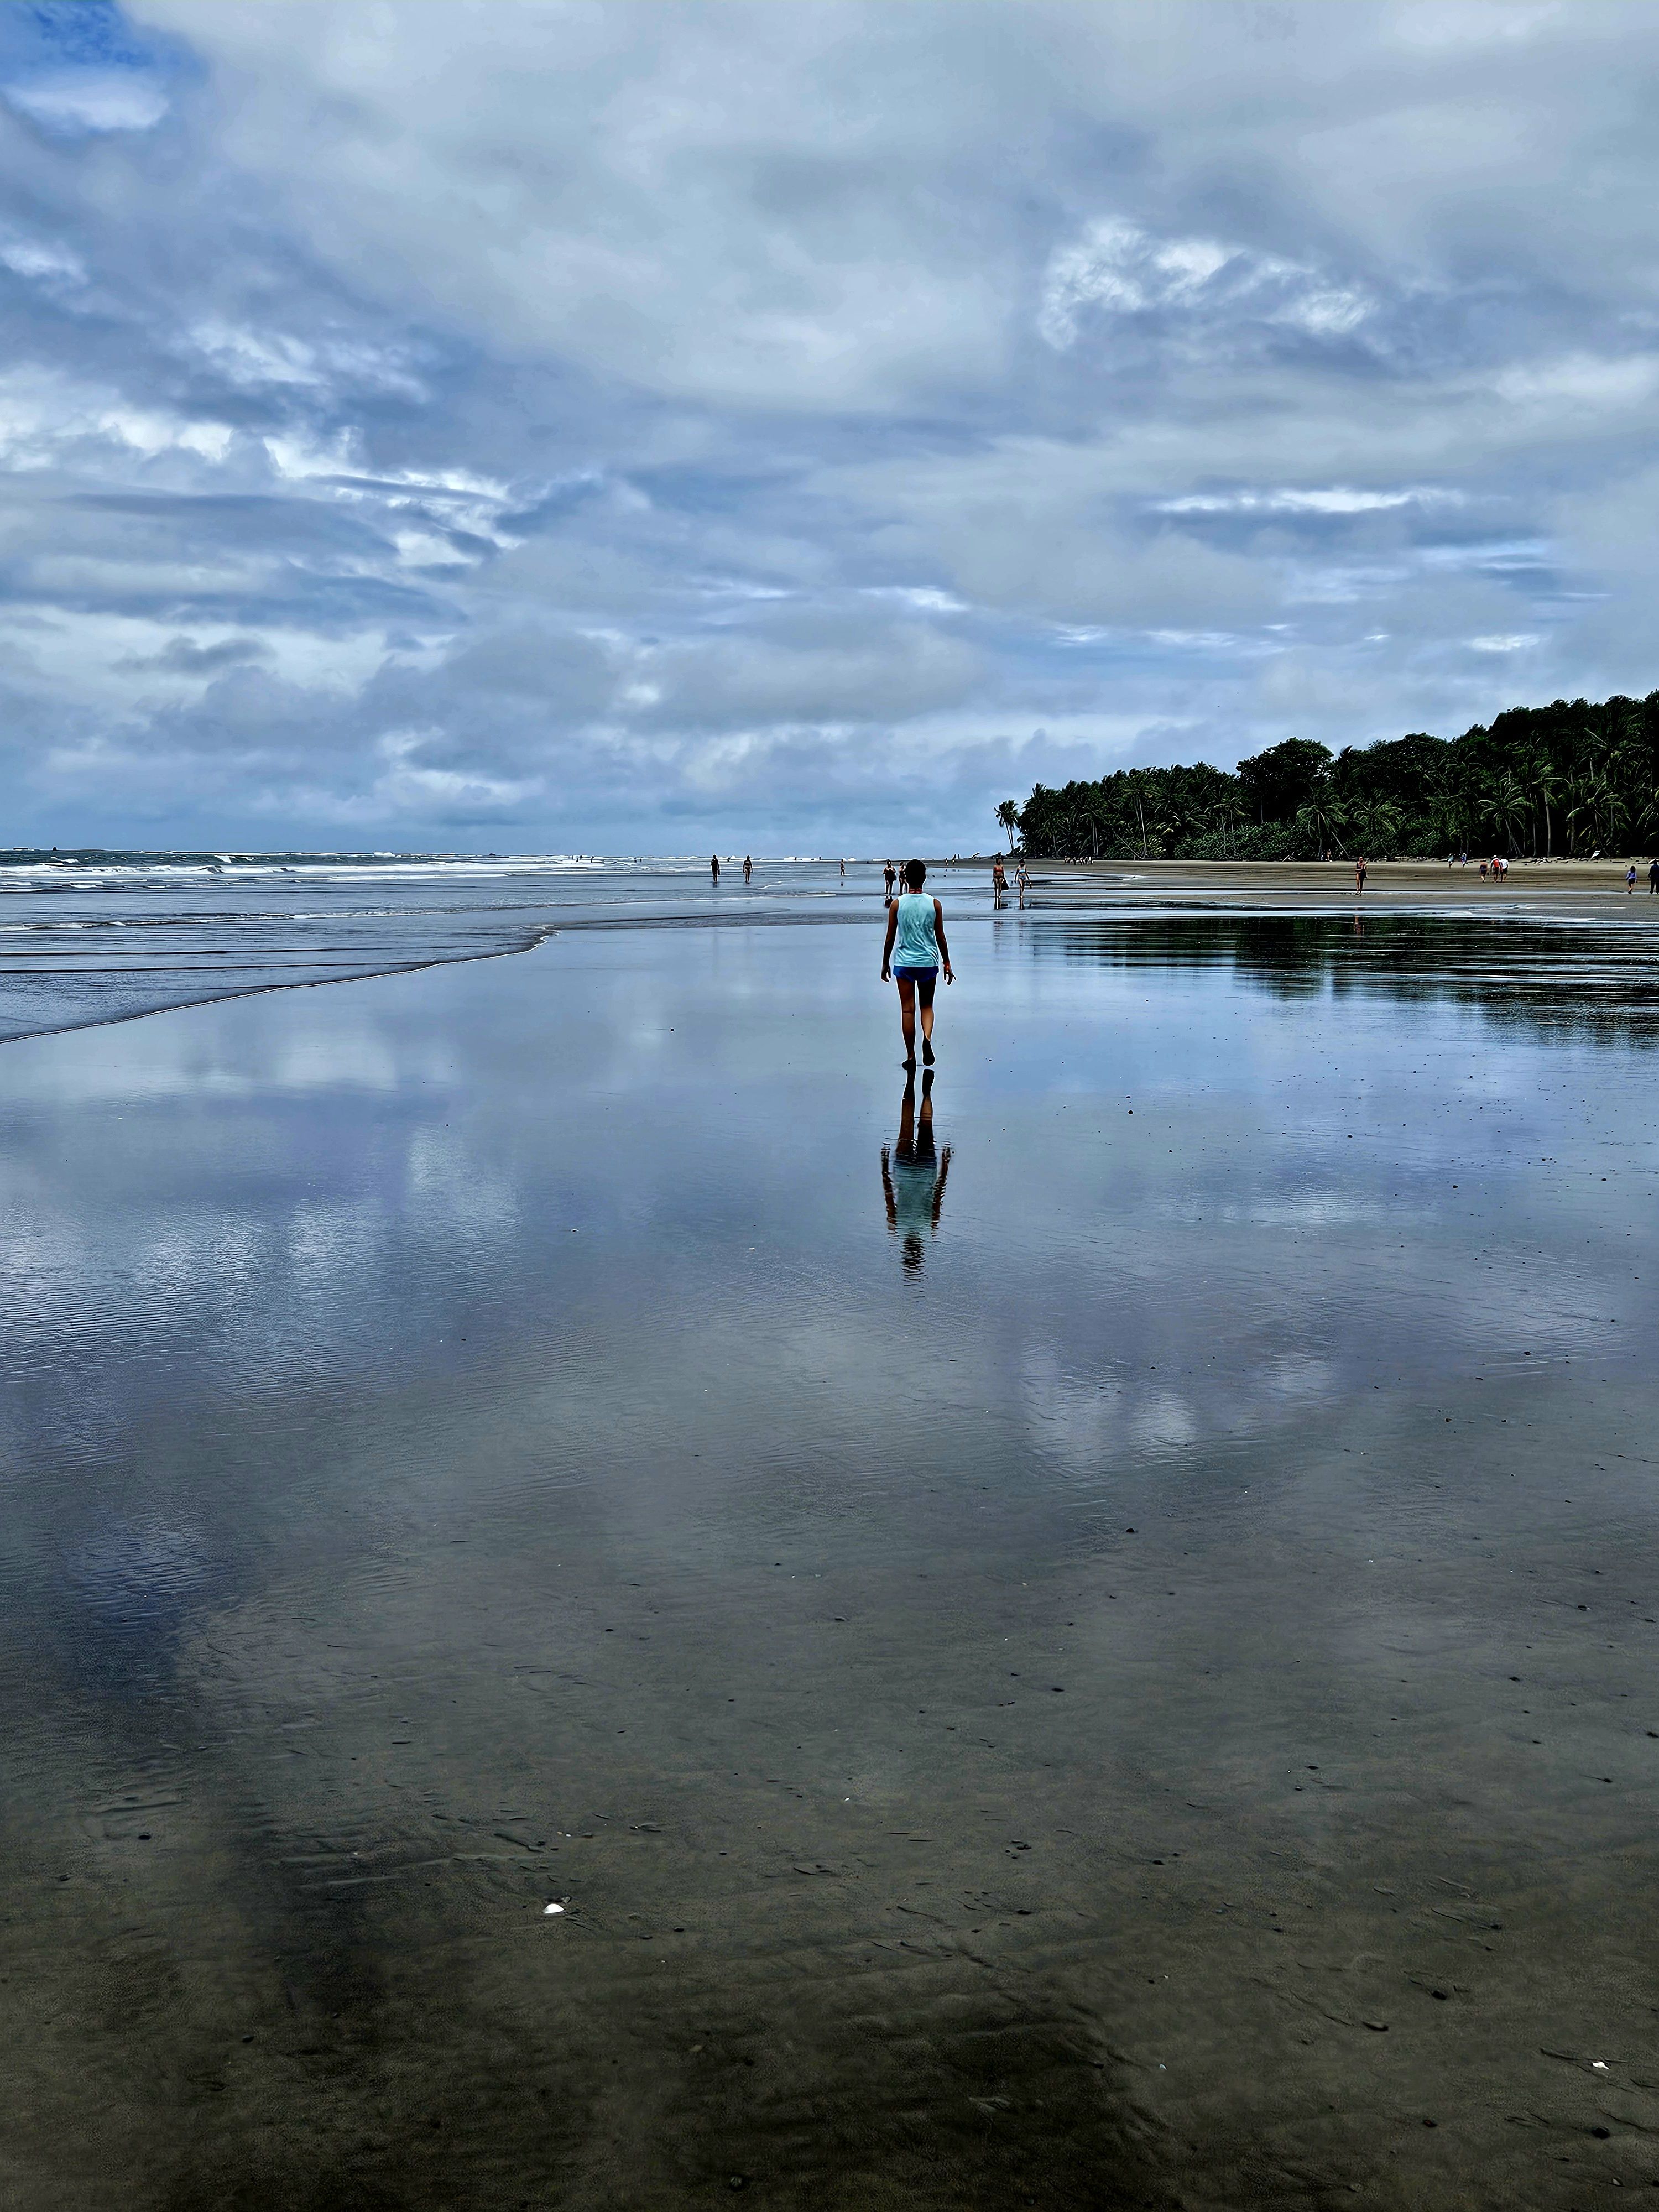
[{"x": 1140, "y": 1691}]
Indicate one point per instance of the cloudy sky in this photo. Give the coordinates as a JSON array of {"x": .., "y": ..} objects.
[{"x": 515, "y": 424}]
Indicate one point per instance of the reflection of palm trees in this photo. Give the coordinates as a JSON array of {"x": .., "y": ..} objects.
[{"x": 912, "y": 1178}]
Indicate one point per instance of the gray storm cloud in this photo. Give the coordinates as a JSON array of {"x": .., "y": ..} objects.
[{"x": 625, "y": 426}]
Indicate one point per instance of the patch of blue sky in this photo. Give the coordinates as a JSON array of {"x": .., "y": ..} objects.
[
  {"x": 78, "y": 68},
  {"x": 81, "y": 33}
]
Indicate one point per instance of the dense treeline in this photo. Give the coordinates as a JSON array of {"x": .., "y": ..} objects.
[{"x": 1564, "y": 780}]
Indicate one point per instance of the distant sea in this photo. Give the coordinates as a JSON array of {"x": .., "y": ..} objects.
[{"x": 89, "y": 936}]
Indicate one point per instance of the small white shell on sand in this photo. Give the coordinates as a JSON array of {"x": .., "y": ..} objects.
[{"x": 546, "y": 1909}]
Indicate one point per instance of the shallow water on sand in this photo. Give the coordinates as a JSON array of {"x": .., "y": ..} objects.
[{"x": 1084, "y": 1646}]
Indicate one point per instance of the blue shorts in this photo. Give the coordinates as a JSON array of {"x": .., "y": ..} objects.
[{"x": 915, "y": 975}]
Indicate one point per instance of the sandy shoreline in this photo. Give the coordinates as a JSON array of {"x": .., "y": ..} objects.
[{"x": 1559, "y": 888}]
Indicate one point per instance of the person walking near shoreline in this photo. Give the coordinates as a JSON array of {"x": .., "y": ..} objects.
[
  {"x": 1630, "y": 880},
  {"x": 715, "y": 866},
  {"x": 748, "y": 867},
  {"x": 1359, "y": 876},
  {"x": 1653, "y": 877},
  {"x": 888, "y": 876},
  {"x": 915, "y": 934}
]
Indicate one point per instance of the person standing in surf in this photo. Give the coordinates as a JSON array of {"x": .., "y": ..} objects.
[{"x": 914, "y": 953}]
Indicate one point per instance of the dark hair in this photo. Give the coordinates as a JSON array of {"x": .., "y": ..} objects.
[{"x": 915, "y": 874}]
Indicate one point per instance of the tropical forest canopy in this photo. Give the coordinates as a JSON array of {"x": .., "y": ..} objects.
[{"x": 1567, "y": 780}]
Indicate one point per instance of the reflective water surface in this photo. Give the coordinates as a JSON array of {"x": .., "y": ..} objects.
[{"x": 1071, "y": 1634}]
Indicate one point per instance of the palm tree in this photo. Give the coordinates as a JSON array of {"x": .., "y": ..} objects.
[
  {"x": 1377, "y": 821},
  {"x": 1601, "y": 806},
  {"x": 1446, "y": 812},
  {"x": 1321, "y": 821},
  {"x": 1008, "y": 817},
  {"x": 1544, "y": 783},
  {"x": 1506, "y": 806},
  {"x": 1226, "y": 817},
  {"x": 1137, "y": 792}
]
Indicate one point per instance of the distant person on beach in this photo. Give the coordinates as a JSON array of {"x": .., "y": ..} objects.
[
  {"x": 1630, "y": 880},
  {"x": 912, "y": 1179},
  {"x": 888, "y": 874},
  {"x": 715, "y": 865},
  {"x": 1022, "y": 878},
  {"x": 914, "y": 953},
  {"x": 843, "y": 871},
  {"x": 1483, "y": 871},
  {"x": 998, "y": 882},
  {"x": 748, "y": 867},
  {"x": 1359, "y": 876},
  {"x": 1653, "y": 876}
]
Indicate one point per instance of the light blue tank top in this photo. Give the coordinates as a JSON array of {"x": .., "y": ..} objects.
[{"x": 916, "y": 945}]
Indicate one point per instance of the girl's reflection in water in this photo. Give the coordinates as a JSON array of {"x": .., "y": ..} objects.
[{"x": 912, "y": 1178}]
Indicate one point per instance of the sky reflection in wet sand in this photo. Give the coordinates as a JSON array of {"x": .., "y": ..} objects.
[{"x": 1009, "y": 1679}]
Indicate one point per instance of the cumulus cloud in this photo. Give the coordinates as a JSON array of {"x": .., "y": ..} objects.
[
  {"x": 634, "y": 426},
  {"x": 1120, "y": 269},
  {"x": 89, "y": 101},
  {"x": 1312, "y": 498}
]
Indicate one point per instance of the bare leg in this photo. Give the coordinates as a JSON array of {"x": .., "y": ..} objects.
[
  {"x": 925, "y": 992},
  {"x": 907, "y": 991}
]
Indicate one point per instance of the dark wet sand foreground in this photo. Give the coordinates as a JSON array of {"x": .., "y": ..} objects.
[{"x": 1143, "y": 1700}]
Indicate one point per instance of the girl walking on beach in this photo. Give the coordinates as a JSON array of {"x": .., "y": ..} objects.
[{"x": 914, "y": 953}]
